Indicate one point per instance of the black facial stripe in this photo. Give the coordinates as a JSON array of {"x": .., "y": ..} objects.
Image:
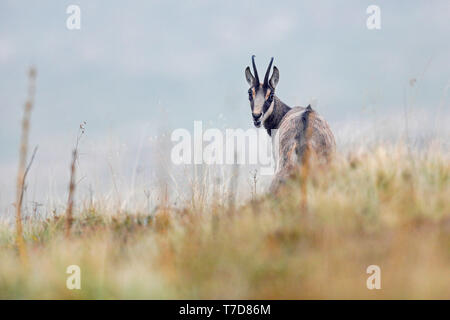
[
  {"x": 266, "y": 106},
  {"x": 268, "y": 102}
]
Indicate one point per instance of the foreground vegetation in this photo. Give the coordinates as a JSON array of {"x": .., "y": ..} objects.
[{"x": 386, "y": 207}]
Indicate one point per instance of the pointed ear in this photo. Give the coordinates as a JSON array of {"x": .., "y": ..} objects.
[
  {"x": 275, "y": 77},
  {"x": 250, "y": 78}
]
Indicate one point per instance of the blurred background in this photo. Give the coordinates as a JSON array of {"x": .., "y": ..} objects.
[{"x": 137, "y": 70}]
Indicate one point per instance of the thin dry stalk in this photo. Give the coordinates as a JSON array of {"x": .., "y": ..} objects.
[
  {"x": 69, "y": 211},
  {"x": 22, "y": 171},
  {"x": 72, "y": 184},
  {"x": 253, "y": 182},
  {"x": 116, "y": 189},
  {"x": 25, "y": 175},
  {"x": 148, "y": 193}
]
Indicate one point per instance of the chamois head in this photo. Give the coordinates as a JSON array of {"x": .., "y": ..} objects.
[{"x": 261, "y": 94}]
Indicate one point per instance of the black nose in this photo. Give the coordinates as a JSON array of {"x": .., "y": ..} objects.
[{"x": 256, "y": 116}]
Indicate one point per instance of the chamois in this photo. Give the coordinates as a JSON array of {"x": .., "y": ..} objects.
[{"x": 298, "y": 134}]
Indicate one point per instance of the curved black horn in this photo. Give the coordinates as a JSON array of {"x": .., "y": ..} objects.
[
  {"x": 266, "y": 78},
  {"x": 254, "y": 70}
]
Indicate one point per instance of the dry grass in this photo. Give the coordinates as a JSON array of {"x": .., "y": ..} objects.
[{"x": 385, "y": 207}]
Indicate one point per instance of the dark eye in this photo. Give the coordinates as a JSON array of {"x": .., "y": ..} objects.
[
  {"x": 250, "y": 95},
  {"x": 270, "y": 99}
]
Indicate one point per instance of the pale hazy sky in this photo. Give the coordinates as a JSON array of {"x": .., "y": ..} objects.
[{"x": 152, "y": 64}]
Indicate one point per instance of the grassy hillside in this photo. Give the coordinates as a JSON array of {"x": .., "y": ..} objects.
[{"x": 386, "y": 207}]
